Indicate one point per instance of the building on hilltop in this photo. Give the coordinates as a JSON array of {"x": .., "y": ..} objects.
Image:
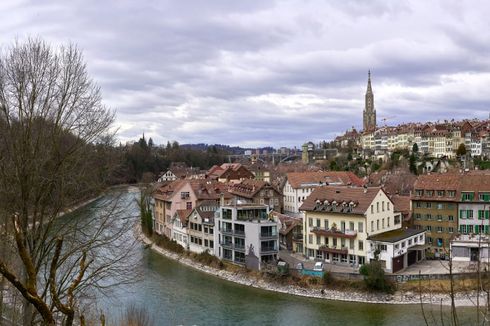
[{"x": 369, "y": 114}]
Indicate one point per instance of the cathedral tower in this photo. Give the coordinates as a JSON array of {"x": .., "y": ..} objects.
[{"x": 369, "y": 113}]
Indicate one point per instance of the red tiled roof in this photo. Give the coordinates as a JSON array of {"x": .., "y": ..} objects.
[
  {"x": 183, "y": 215},
  {"x": 342, "y": 196}
]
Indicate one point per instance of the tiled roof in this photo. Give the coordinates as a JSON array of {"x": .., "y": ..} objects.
[
  {"x": 308, "y": 179},
  {"x": 401, "y": 203},
  {"x": 183, "y": 215},
  {"x": 287, "y": 222},
  {"x": 346, "y": 199}
]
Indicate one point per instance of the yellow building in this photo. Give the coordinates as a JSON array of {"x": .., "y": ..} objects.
[{"x": 338, "y": 221}]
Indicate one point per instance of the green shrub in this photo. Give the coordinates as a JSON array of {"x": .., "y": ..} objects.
[
  {"x": 327, "y": 278},
  {"x": 374, "y": 277}
]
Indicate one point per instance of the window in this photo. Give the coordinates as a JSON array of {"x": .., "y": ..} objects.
[
  {"x": 469, "y": 228},
  {"x": 403, "y": 244},
  {"x": 439, "y": 218},
  {"x": 418, "y": 216},
  {"x": 484, "y": 196},
  {"x": 429, "y": 240},
  {"x": 351, "y": 244},
  {"x": 360, "y": 245},
  {"x": 409, "y": 242},
  {"x": 428, "y": 217},
  {"x": 418, "y": 204},
  {"x": 398, "y": 219},
  {"x": 383, "y": 206},
  {"x": 351, "y": 226},
  {"x": 318, "y": 240},
  {"x": 451, "y": 193},
  {"x": 372, "y": 226},
  {"x": 388, "y": 206},
  {"x": 450, "y": 218},
  {"x": 397, "y": 246},
  {"x": 334, "y": 242},
  {"x": 325, "y": 222},
  {"x": 467, "y": 196},
  {"x": 440, "y": 193},
  {"x": 372, "y": 209},
  {"x": 419, "y": 192},
  {"x": 462, "y": 229},
  {"x": 310, "y": 238},
  {"x": 377, "y": 207},
  {"x": 377, "y": 224},
  {"x": 450, "y": 229},
  {"x": 382, "y": 247},
  {"x": 188, "y": 205},
  {"x": 360, "y": 227},
  {"x": 184, "y": 195},
  {"x": 440, "y": 206},
  {"x": 428, "y": 228},
  {"x": 388, "y": 222},
  {"x": 469, "y": 213},
  {"x": 428, "y": 205},
  {"x": 383, "y": 223},
  {"x": 318, "y": 223},
  {"x": 429, "y": 193},
  {"x": 310, "y": 222},
  {"x": 440, "y": 229}
]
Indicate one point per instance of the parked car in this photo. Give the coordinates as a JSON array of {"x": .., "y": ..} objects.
[{"x": 318, "y": 266}]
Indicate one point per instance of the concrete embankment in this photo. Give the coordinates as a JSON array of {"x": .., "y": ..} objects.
[{"x": 463, "y": 299}]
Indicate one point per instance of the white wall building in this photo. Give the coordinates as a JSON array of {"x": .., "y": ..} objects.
[{"x": 246, "y": 234}]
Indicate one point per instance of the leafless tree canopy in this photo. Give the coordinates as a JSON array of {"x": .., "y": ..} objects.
[{"x": 53, "y": 127}]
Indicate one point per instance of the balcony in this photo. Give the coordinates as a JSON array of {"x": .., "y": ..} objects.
[
  {"x": 228, "y": 245},
  {"x": 348, "y": 234},
  {"x": 239, "y": 247},
  {"x": 227, "y": 231},
  {"x": 268, "y": 250},
  {"x": 335, "y": 250},
  {"x": 270, "y": 235},
  {"x": 239, "y": 233}
]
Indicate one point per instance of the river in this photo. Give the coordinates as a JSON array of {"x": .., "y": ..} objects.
[{"x": 175, "y": 294}]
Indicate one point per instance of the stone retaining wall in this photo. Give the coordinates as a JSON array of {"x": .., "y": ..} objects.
[{"x": 462, "y": 299}]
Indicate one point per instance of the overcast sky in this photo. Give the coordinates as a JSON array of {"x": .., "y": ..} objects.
[{"x": 279, "y": 73}]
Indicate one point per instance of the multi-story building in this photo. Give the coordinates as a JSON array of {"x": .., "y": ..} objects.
[
  {"x": 201, "y": 227},
  {"x": 339, "y": 220},
  {"x": 246, "y": 234},
  {"x": 474, "y": 203},
  {"x": 258, "y": 192},
  {"x": 183, "y": 195},
  {"x": 435, "y": 209},
  {"x": 300, "y": 185}
]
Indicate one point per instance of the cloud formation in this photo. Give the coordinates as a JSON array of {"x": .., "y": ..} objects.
[{"x": 277, "y": 73}]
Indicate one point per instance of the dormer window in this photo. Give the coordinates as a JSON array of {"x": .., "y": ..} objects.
[{"x": 467, "y": 196}]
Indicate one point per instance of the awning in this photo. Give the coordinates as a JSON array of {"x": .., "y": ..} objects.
[{"x": 419, "y": 247}]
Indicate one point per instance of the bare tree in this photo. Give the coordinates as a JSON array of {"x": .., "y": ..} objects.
[{"x": 52, "y": 122}]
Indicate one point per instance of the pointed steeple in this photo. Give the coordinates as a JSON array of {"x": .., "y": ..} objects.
[
  {"x": 369, "y": 113},
  {"x": 369, "y": 90}
]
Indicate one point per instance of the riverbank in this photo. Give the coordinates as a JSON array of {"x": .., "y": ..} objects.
[{"x": 461, "y": 299}]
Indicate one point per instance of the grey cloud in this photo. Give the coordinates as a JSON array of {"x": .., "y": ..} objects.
[{"x": 267, "y": 72}]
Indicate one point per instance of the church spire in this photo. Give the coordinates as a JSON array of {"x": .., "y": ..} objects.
[
  {"x": 369, "y": 114},
  {"x": 369, "y": 90}
]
